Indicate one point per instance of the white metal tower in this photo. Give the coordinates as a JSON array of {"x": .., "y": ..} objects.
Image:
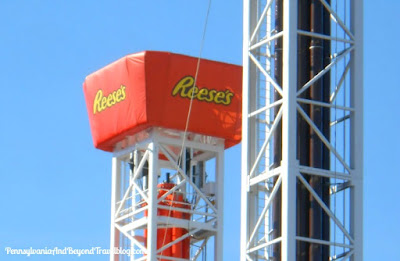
[
  {"x": 281, "y": 195},
  {"x": 167, "y": 124},
  {"x": 145, "y": 214}
]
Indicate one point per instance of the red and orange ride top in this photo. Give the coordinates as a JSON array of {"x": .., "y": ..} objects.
[{"x": 153, "y": 89}]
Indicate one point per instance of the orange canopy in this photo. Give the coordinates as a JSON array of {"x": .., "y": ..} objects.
[{"x": 153, "y": 89}]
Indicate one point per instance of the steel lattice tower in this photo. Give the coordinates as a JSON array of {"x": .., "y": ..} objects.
[
  {"x": 302, "y": 140},
  {"x": 136, "y": 203}
]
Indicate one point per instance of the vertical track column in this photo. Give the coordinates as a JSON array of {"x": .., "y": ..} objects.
[
  {"x": 356, "y": 139},
  {"x": 249, "y": 131},
  {"x": 289, "y": 161},
  {"x": 152, "y": 212},
  {"x": 219, "y": 170},
  {"x": 135, "y": 162},
  {"x": 115, "y": 196},
  {"x": 245, "y": 125}
]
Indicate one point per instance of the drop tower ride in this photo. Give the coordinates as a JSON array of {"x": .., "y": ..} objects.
[
  {"x": 167, "y": 119},
  {"x": 302, "y": 139}
]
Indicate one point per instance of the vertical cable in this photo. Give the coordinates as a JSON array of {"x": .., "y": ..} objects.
[
  {"x": 180, "y": 155},
  {"x": 195, "y": 79}
]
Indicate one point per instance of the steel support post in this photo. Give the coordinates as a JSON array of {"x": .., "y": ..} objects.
[
  {"x": 152, "y": 213},
  {"x": 356, "y": 139},
  {"x": 289, "y": 122},
  {"x": 244, "y": 234},
  {"x": 249, "y": 130},
  {"x": 115, "y": 195},
  {"x": 133, "y": 168},
  {"x": 219, "y": 170}
]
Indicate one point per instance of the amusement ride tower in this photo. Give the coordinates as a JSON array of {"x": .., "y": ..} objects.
[
  {"x": 302, "y": 139},
  {"x": 167, "y": 119}
]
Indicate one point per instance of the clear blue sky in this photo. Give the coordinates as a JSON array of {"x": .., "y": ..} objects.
[{"x": 55, "y": 187}]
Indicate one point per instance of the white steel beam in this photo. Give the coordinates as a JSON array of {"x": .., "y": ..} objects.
[
  {"x": 132, "y": 184},
  {"x": 197, "y": 254},
  {"x": 289, "y": 166},
  {"x": 264, "y": 211},
  {"x": 270, "y": 106},
  {"x": 356, "y": 123},
  {"x": 274, "y": 241},
  {"x": 115, "y": 193},
  {"x": 340, "y": 83},
  {"x": 152, "y": 213},
  {"x": 247, "y": 128},
  {"x": 265, "y": 41},
  {"x": 327, "y": 69},
  {"x": 125, "y": 231},
  {"x": 322, "y": 242},
  {"x": 219, "y": 170},
  {"x": 264, "y": 176},
  {"x": 131, "y": 213},
  {"x": 264, "y": 146},
  {"x": 337, "y": 19},
  {"x": 260, "y": 20},
  {"x": 325, "y": 173},
  {"x": 323, "y": 36},
  {"x": 325, "y": 208},
  {"x": 323, "y": 138},
  {"x": 324, "y": 104},
  {"x": 266, "y": 74}
]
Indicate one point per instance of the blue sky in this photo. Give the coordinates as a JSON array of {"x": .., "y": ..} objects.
[{"x": 55, "y": 187}]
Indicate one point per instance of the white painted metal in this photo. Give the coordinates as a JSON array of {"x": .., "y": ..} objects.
[
  {"x": 160, "y": 151},
  {"x": 260, "y": 179},
  {"x": 356, "y": 139},
  {"x": 289, "y": 163},
  {"x": 244, "y": 230},
  {"x": 152, "y": 202},
  {"x": 133, "y": 171},
  {"x": 219, "y": 204},
  {"x": 115, "y": 194}
]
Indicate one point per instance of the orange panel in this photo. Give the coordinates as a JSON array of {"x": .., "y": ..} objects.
[
  {"x": 153, "y": 89},
  {"x": 167, "y": 235}
]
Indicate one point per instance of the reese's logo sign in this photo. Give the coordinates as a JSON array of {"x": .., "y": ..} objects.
[
  {"x": 102, "y": 102},
  {"x": 184, "y": 88}
]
